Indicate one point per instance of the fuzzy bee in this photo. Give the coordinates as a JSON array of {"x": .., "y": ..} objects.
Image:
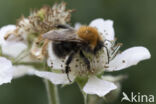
[{"x": 67, "y": 42}]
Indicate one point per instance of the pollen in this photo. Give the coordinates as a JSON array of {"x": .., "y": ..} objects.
[{"x": 89, "y": 34}]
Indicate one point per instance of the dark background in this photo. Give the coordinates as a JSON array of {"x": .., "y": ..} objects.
[{"x": 134, "y": 23}]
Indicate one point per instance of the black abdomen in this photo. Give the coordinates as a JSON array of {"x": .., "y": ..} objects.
[{"x": 62, "y": 49}]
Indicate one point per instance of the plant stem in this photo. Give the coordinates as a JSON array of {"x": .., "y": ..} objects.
[
  {"x": 85, "y": 98},
  {"x": 52, "y": 93}
]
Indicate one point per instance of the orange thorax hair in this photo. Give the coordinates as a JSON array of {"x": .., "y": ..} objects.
[{"x": 89, "y": 34}]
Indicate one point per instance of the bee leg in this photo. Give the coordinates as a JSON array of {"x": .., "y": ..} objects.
[
  {"x": 108, "y": 56},
  {"x": 85, "y": 60},
  {"x": 116, "y": 50},
  {"x": 67, "y": 68}
]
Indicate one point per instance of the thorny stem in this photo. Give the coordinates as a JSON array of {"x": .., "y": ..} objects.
[{"x": 52, "y": 93}]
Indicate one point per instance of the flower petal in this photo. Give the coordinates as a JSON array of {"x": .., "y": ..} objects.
[
  {"x": 13, "y": 49},
  {"x": 128, "y": 58},
  {"x": 105, "y": 27},
  {"x": 98, "y": 86},
  {"x": 6, "y": 70},
  {"x": 22, "y": 70},
  {"x": 4, "y": 30},
  {"x": 54, "y": 62},
  {"x": 113, "y": 95},
  {"x": 55, "y": 78}
]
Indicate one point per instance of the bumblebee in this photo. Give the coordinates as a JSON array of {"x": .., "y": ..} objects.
[{"x": 67, "y": 42}]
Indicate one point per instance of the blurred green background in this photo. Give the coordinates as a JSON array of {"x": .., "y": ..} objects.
[{"x": 134, "y": 23}]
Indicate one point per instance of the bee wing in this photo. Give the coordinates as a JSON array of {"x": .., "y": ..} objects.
[{"x": 62, "y": 35}]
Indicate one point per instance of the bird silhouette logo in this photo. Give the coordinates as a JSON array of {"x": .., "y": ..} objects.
[{"x": 125, "y": 97}]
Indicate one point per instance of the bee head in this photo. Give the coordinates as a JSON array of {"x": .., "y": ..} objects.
[{"x": 90, "y": 35}]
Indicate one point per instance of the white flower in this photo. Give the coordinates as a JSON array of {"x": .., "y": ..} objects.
[
  {"x": 94, "y": 85},
  {"x": 6, "y": 70},
  {"x": 13, "y": 47}
]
